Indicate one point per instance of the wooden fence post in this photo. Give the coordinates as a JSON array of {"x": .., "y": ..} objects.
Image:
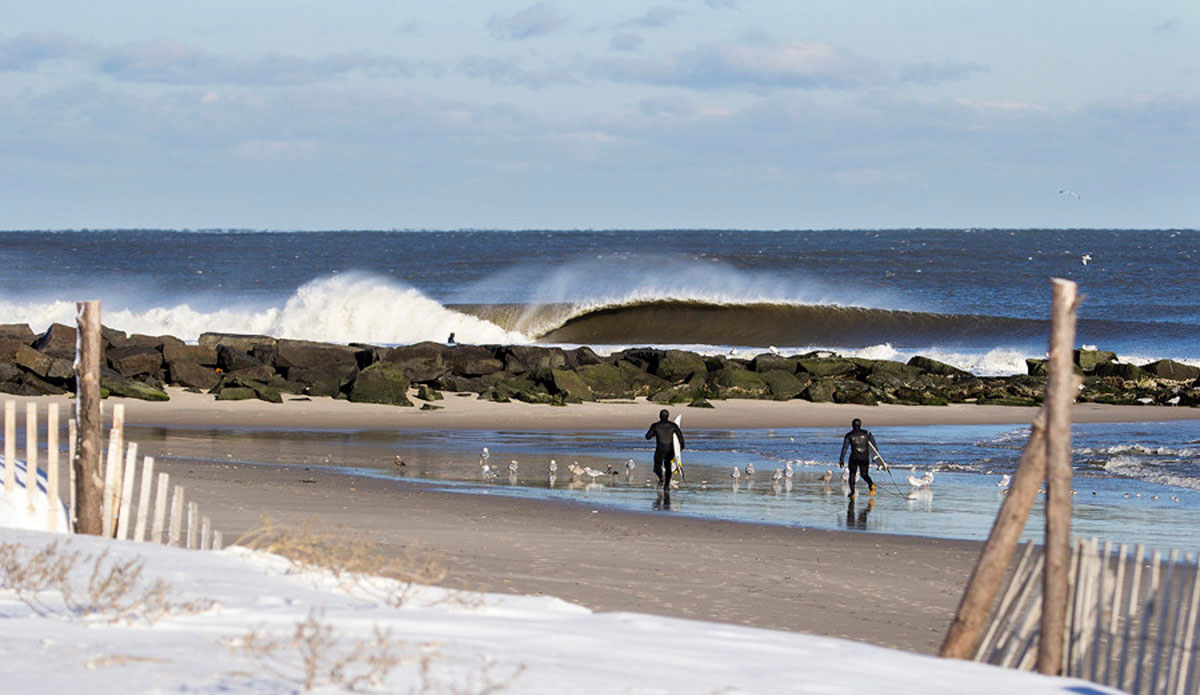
[
  {"x": 128, "y": 476},
  {"x": 71, "y": 442},
  {"x": 160, "y": 508},
  {"x": 1061, "y": 388},
  {"x": 52, "y": 503},
  {"x": 193, "y": 528},
  {"x": 176, "y": 515},
  {"x": 10, "y": 446},
  {"x": 31, "y": 453},
  {"x": 994, "y": 558},
  {"x": 143, "y": 511},
  {"x": 89, "y": 485},
  {"x": 116, "y": 435}
]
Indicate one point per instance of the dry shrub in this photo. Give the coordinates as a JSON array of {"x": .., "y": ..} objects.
[
  {"x": 115, "y": 591},
  {"x": 314, "y": 657},
  {"x": 353, "y": 557}
]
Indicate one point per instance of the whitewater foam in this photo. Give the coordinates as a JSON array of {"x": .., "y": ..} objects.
[{"x": 343, "y": 308}]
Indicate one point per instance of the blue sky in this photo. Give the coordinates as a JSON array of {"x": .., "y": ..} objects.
[{"x": 682, "y": 113}]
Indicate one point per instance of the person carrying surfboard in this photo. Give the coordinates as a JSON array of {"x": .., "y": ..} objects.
[
  {"x": 861, "y": 444},
  {"x": 664, "y": 433}
]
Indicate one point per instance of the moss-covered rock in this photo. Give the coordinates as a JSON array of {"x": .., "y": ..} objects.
[
  {"x": 383, "y": 382},
  {"x": 678, "y": 365},
  {"x": 827, "y": 367},
  {"x": 235, "y": 393},
  {"x": 784, "y": 385},
  {"x": 855, "y": 392},
  {"x": 572, "y": 385},
  {"x": 426, "y": 393},
  {"x": 820, "y": 391},
  {"x": 1172, "y": 370},
  {"x": 737, "y": 382},
  {"x": 606, "y": 381},
  {"x": 1088, "y": 360},
  {"x": 769, "y": 362},
  {"x": 1127, "y": 372},
  {"x": 118, "y": 385},
  {"x": 932, "y": 366}
]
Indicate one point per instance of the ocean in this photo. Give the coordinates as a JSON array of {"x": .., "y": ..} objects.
[{"x": 974, "y": 298}]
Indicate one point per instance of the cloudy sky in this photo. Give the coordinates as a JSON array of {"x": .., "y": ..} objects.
[{"x": 682, "y": 113}]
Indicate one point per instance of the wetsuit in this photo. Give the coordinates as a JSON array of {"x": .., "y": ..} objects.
[
  {"x": 860, "y": 443},
  {"x": 664, "y": 448}
]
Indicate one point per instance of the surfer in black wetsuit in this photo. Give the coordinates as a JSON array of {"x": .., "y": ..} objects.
[
  {"x": 861, "y": 444},
  {"x": 664, "y": 448}
]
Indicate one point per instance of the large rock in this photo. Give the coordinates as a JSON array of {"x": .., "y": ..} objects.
[
  {"x": 304, "y": 354},
  {"x": 383, "y": 382},
  {"x": 572, "y": 385},
  {"x": 1128, "y": 372},
  {"x": 324, "y": 382},
  {"x": 199, "y": 354},
  {"x": 783, "y": 384},
  {"x": 582, "y": 357},
  {"x": 1172, "y": 370},
  {"x": 828, "y": 367},
  {"x": 244, "y": 342},
  {"x": 17, "y": 331},
  {"x": 645, "y": 359},
  {"x": 422, "y": 362},
  {"x": 28, "y": 384},
  {"x": 606, "y": 381},
  {"x": 191, "y": 374},
  {"x": 57, "y": 341},
  {"x": 820, "y": 391},
  {"x": 679, "y": 365},
  {"x": 932, "y": 366},
  {"x": 473, "y": 360},
  {"x": 736, "y": 382},
  {"x": 135, "y": 361},
  {"x": 33, "y": 361},
  {"x": 8, "y": 373},
  {"x": 769, "y": 362},
  {"x": 1088, "y": 360},
  {"x": 9, "y": 348},
  {"x": 696, "y": 389},
  {"x": 117, "y": 385},
  {"x": 855, "y": 392},
  {"x": 232, "y": 359},
  {"x": 519, "y": 359}
]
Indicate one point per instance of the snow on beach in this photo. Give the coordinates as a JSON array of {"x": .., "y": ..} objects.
[{"x": 240, "y": 621}]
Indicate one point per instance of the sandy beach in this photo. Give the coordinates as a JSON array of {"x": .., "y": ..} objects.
[{"x": 896, "y": 591}]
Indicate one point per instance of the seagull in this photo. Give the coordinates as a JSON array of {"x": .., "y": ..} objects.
[
  {"x": 827, "y": 476},
  {"x": 749, "y": 469},
  {"x": 629, "y": 466},
  {"x": 1073, "y": 194},
  {"x": 612, "y": 471},
  {"x": 400, "y": 463},
  {"x": 484, "y": 455},
  {"x": 512, "y": 467},
  {"x": 1004, "y": 481},
  {"x": 1145, "y": 400},
  {"x": 575, "y": 469},
  {"x": 737, "y": 473},
  {"x": 1085, "y": 258},
  {"x": 592, "y": 473},
  {"x": 787, "y": 470},
  {"x": 487, "y": 471},
  {"x": 773, "y": 350},
  {"x": 921, "y": 482},
  {"x": 777, "y": 475},
  {"x": 552, "y": 467},
  {"x": 1173, "y": 401}
]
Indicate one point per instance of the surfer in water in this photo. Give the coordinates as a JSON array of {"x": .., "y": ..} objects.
[
  {"x": 861, "y": 444},
  {"x": 664, "y": 448}
]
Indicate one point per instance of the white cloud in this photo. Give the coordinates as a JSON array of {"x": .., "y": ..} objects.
[
  {"x": 533, "y": 21},
  {"x": 798, "y": 64},
  {"x": 27, "y": 52},
  {"x": 514, "y": 70},
  {"x": 926, "y": 72},
  {"x": 656, "y": 17}
]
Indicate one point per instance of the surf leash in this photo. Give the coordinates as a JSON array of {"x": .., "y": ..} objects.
[{"x": 888, "y": 470}]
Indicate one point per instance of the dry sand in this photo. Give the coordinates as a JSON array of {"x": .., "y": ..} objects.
[{"x": 895, "y": 591}]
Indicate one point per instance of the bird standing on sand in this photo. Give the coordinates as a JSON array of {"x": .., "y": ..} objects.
[
  {"x": 827, "y": 476},
  {"x": 552, "y": 467},
  {"x": 629, "y": 466},
  {"x": 400, "y": 463},
  {"x": 737, "y": 473},
  {"x": 749, "y": 469},
  {"x": 592, "y": 473},
  {"x": 787, "y": 470},
  {"x": 777, "y": 475},
  {"x": 1004, "y": 481},
  {"x": 513, "y": 466}
]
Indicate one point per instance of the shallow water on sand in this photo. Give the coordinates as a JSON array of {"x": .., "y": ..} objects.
[{"x": 1134, "y": 483}]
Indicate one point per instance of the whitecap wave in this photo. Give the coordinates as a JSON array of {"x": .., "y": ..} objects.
[{"x": 341, "y": 309}]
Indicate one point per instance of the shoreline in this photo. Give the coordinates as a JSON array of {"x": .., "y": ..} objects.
[{"x": 466, "y": 412}]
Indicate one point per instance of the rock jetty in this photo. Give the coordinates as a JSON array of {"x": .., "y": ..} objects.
[{"x": 234, "y": 367}]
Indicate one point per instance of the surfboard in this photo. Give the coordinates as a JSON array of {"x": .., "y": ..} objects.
[{"x": 677, "y": 462}]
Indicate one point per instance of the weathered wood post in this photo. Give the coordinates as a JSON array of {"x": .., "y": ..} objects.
[
  {"x": 89, "y": 486},
  {"x": 160, "y": 508},
  {"x": 1061, "y": 389},
  {"x": 52, "y": 503},
  {"x": 31, "y": 453},
  {"x": 10, "y": 446},
  {"x": 72, "y": 441},
  {"x": 994, "y": 558},
  {"x": 176, "y": 516},
  {"x": 143, "y": 510},
  {"x": 129, "y": 472}
]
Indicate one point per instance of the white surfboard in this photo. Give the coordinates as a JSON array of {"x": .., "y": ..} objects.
[{"x": 677, "y": 462}]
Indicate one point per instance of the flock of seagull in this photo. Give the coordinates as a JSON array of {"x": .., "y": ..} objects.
[{"x": 782, "y": 475}]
